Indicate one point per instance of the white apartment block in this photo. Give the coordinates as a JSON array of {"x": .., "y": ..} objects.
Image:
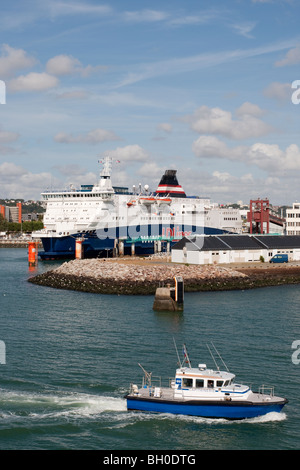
[{"x": 293, "y": 220}]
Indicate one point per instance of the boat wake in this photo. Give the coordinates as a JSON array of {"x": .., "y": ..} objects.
[
  {"x": 47, "y": 406},
  {"x": 269, "y": 417}
]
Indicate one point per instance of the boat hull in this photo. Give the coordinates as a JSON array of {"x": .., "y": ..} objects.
[
  {"x": 205, "y": 409},
  {"x": 96, "y": 244}
]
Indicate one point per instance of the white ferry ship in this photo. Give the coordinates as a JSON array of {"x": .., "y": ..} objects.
[{"x": 108, "y": 218}]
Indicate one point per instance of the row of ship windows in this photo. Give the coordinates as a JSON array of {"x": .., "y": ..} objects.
[
  {"x": 120, "y": 217},
  {"x": 75, "y": 203},
  {"x": 56, "y": 196},
  {"x": 292, "y": 216},
  {"x": 201, "y": 383},
  {"x": 114, "y": 218},
  {"x": 293, "y": 224}
]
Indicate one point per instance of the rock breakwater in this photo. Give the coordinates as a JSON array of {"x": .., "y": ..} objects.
[
  {"x": 120, "y": 277},
  {"x": 140, "y": 277}
]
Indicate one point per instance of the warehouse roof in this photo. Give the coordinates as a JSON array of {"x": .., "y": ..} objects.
[{"x": 237, "y": 242}]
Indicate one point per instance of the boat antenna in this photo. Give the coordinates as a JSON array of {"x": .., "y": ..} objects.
[
  {"x": 213, "y": 357},
  {"x": 186, "y": 357},
  {"x": 147, "y": 374},
  {"x": 220, "y": 356},
  {"x": 179, "y": 362}
]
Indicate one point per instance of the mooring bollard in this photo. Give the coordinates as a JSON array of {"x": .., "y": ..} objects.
[{"x": 170, "y": 298}]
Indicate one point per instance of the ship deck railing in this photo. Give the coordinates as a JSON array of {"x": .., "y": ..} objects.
[{"x": 266, "y": 390}]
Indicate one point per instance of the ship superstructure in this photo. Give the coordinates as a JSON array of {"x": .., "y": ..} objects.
[{"x": 107, "y": 218}]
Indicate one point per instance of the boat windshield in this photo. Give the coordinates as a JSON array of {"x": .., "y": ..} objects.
[{"x": 190, "y": 382}]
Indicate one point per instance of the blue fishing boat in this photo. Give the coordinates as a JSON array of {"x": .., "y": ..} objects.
[{"x": 204, "y": 392}]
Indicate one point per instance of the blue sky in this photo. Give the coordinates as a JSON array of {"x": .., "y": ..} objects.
[{"x": 204, "y": 87}]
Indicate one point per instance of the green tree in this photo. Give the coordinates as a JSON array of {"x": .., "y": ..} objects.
[{"x": 3, "y": 224}]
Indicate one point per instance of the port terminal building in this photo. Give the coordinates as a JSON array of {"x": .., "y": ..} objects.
[
  {"x": 12, "y": 214},
  {"x": 293, "y": 220},
  {"x": 215, "y": 249}
]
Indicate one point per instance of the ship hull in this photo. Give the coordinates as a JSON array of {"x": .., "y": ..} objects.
[
  {"x": 98, "y": 244},
  {"x": 206, "y": 409}
]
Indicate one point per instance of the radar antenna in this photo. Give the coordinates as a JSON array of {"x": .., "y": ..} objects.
[
  {"x": 218, "y": 355},
  {"x": 213, "y": 357}
]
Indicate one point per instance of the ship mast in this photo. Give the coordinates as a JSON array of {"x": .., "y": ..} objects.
[
  {"x": 106, "y": 170},
  {"x": 104, "y": 184}
]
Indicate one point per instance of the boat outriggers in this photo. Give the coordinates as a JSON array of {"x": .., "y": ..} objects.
[{"x": 202, "y": 392}]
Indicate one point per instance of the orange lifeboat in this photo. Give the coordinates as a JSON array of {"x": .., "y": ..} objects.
[
  {"x": 164, "y": 200},
  {"x": 131, "y": 203},
  {"x": 147, "y": 200}
]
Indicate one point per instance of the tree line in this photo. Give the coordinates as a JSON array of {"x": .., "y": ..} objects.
[{"x": 26, "y": 226}]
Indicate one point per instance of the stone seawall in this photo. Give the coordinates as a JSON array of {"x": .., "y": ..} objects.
[
  {"x": 136, "y": 278},
  {"x": 128, "y": 277}
]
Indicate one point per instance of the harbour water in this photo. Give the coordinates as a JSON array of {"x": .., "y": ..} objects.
[{"x": 70, "y": 357}]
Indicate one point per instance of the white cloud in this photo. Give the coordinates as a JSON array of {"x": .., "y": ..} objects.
[
  {"x": 292, "y": 57},
  {"x": 58, "y": 8},
  {"x": 92, "y": 137},
  {"x": 7, "y": 136},
  {"x": 13, "y": 60},
  {"x": 210, "y": 146},
  {"x": 244, "y": 29},
  {"x": 16, "y": 181},
  {"x": 268, "y": 157},
  {"x": 216, "y": 121},
  {"x": 224, "y": 186},
  {"x": 133, "y": 153},
  {"x": 186, "y": 64},
  {"x": 67, "y": 65},
  {"x": 222, "y": 176},
  {"x": 145, "y": 16},
  {"x": 33, "y": 81},
  {"x": 165, "y": 127},
  {"x": 250, "y": 109},
  {"x": 62, "y": 65},
  {"x": 203, "y": 17},
  {"x": 278, "y": 91},
  {"x": 152, "y": 171},
  {"x": 73, "y": 95}
]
